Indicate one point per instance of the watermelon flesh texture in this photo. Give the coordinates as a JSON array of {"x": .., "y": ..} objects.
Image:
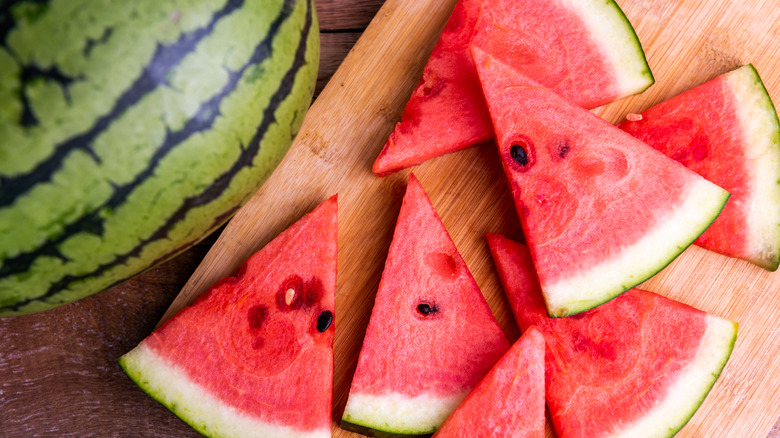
[
  {"x": 637, "y": 366},
  {"x": 253, "y": 356},
  {"x": 133, "y": 130},
  {"x": 586, "y": 51},
  {"x": 600, "y": 210},
  {"x": 431, "y": 336},
  {"x": 509, "y": 401},
  {"x": 727, "y": 131}
]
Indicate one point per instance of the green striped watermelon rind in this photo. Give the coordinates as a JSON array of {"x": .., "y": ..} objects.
[
  {"x": 607, "y": 21},
  {"x": 676, "y": 410},
  {"x": 95, "y": 214},
  {"x": 583, "y": 291},
  {"x": 758, "y": 119},
  {"x": 170, "y": 386}
]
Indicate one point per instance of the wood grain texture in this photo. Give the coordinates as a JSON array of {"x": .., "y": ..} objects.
[
  {"x": 58, "y": 370},
  {"x": 686, "y": 42},
  {"x": 356, "y": 108}
]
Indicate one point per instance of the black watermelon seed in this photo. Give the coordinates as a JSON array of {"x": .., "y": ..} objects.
[
  {"x": 427, "y": 309},
  {"x": 324, "y": 321},
  {"x": 563, "y": 148},
  {"x": 519, "y": 154}
]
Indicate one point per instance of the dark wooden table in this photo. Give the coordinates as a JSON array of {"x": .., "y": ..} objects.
[{"x": 58, "y": 369}]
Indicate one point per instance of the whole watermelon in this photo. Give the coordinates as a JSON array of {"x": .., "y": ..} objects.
[{"x": 129, "y": 130}]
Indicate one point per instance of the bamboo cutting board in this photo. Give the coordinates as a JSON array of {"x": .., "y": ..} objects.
[{"x": 687, "y": 42}]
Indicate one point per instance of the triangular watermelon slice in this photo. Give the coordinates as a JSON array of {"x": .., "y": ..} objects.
[
  {"x": 727, "y": 131},
  {"x": 637, "y": 366},
  {"x": 431, "y": 336},
  {"x": 601, "y": 211},
  {"x": 509, "y": 401},
  {"x": 253, "y": 356},
  {"x": 584, "y": 49}
]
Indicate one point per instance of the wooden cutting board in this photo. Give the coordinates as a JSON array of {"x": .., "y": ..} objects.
[{"x": 686, "y": 41}]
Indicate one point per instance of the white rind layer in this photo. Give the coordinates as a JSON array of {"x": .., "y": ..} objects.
[
  {"x": 694, "y": 383},
  {"x": 399, "y": 413},
  {"x": 192, "y": 403},
  {"x": 598, "y": 284},
  {"x": 613, "y": 32},
  {"x": 761, "y": 132}
]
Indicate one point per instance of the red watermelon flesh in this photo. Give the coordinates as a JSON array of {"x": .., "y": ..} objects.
[
  {"x": 587, "y": 51},
  {"x": 727, "y": 131},
  {"x": 509, "y": 401},
  {"x": 446, "y": 111},
  {"x": 431, "y": 336},
  {"x": 253, "y": 356},
  {"x": 639, "y": 365},
  {"x": 600, "y": 210}
]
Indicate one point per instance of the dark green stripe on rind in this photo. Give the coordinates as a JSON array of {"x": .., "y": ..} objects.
[
  {"x": 92, "y": 222},
  {"x": 7, "y": 9},
  {"x": 164, "y": 60},
  {"x": 214, "y": 200}
]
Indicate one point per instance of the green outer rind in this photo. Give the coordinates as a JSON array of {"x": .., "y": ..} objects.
[
  {"x": 165, "y": 383},
  {"x": 771, "y": 263},
  {"x": 363, "y": 430},
  {"x": 631, "y": 32},
  {"x": 65, "y": 265},
  {"x": 142, "y": 383},
  {"x": 715, "y": 376},
  {"x": 398, "y": 414},
  {"x": 585, "y": 305},
  {"x": 694, "y": 407},
  {"x": 634, "y": 67}
]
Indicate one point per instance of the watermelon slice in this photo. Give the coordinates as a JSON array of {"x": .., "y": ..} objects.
[
  {"x": 253, "y": 356},
  {"x": 601, "y": 211},
  {"x": 637, "y": 366},
  {"x": 727, "y": 131},
  {"x": 585, "y": 50},
  {"x": 509, "y": 401},
  {"x": 431, "y": 336}
]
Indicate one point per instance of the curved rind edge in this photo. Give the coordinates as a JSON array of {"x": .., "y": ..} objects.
[
  {"x": 608, "y": 26},
  {"x": 709, "y": 199},
  {"x": 171, "y": 387},
  {"x": 758, "y": 119},
  {"x": 712, "y": 356},
  {"x": 396, "y": 414}
]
